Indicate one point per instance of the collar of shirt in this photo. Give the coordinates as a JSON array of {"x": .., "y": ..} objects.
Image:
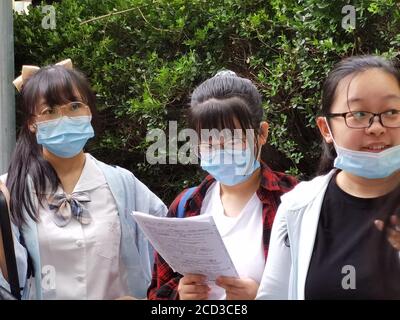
[
  {"x": 91, "y": 176},
  {"x": 90, "y": 179},
  {"x": 271, "y": 181}
]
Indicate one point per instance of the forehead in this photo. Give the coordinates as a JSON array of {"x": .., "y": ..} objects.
[
  {"x": 373, "y": 87},
  {"x": 42, "y": 102}
]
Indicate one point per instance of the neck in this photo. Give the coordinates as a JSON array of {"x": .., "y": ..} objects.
[
  {"x": 367, "y": 188},
  {"x": 249, "y": 186},
  {"x": 65, "y": 166}
]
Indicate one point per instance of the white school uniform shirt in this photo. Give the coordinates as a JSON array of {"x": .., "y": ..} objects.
[
  {"x": 83, "y": 261},
  {"x": 242, "y": 236}
]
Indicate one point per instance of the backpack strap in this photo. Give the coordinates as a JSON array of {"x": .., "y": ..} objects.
[
  {"x": 181, "y": 206},
  {"x": 8, "y": 245}
]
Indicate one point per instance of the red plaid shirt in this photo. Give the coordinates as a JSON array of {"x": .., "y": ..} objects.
[{"x": 164, "y": 283}]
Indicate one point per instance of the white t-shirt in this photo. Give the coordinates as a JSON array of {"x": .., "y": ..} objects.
[
  {"x": 83, "y": 261},
  {"x": 242, "y": 236}
]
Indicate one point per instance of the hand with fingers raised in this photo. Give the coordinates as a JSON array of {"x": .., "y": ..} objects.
[{"x": 392, "y": 230}]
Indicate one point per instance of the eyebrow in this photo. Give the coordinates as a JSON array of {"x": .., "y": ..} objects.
[{"x": 389, "y": 96}]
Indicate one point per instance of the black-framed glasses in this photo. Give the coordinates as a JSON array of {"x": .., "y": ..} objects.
[{"x": 364, "y": 119}]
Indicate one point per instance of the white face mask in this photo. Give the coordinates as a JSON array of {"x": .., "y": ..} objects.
[{"x": 364, "y": 164}]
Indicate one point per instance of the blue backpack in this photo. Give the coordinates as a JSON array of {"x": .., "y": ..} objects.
[{"x": 181, "y": 206}]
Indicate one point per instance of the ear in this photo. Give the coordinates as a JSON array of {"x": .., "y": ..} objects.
[
  {"x": 324, "y": 129},
  {"x": 32, "y": 127},
  {"x": 264, "y": 130}
]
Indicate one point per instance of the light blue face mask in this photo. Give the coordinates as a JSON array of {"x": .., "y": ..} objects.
[
  {"x": 231, "y": 167},
  {"x": 368, "y": 165},
  {"x": 365, "y": 164},
  {"x": 65, "y": 137}
]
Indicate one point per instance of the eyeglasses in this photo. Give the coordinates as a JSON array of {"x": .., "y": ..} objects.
[
  {"x": 364, "y": 119},
  {"x": 209, "y": 150},
  {"x": 72, "y": 109}
]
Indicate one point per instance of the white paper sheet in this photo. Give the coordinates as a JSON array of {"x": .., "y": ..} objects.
[{"x": 188, "y": 245}]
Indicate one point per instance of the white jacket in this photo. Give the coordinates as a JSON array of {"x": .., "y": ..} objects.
[{"x": 296, "y": 220}]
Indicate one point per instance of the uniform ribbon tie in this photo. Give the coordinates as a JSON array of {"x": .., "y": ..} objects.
[{"x": 65, "y": 206}]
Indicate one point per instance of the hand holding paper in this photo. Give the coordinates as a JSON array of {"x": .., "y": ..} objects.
[{"x": 190, "y": 246}]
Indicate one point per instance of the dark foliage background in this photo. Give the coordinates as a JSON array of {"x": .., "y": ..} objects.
[{"x": 143, "y": 59}]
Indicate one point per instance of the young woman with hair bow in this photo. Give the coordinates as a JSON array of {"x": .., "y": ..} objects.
[{"x": 73, "y": 212}]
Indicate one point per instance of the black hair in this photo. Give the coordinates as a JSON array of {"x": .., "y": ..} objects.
[
  {"x": 223, "y": 99},
  {"x": 349, "y": 66},
  {"x": 53, "y": 85}
]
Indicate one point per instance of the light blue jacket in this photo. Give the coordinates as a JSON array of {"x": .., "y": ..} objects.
[{"x": 136, "y": 252}]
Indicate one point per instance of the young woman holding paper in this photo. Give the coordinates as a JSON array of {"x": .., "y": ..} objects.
[{"x": 241, "y": 192}]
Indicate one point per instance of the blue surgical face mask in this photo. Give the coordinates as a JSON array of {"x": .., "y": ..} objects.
[
  {"x": 368, "y": 165},
  {"x": 65, "y": 137},
  {"x": 365, "y": 164},
  {"x": 231, "y": 167}
]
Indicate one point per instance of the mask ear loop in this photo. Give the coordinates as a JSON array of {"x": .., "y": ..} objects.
[
  {"x": 259, "y": 147},
  {"x": 253, "y": 157},
  {"x": 329, "y": 129},
  {"x": 335, "y": 145}
]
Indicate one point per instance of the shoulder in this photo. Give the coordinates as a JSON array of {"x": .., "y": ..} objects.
[
  {"x": 172, "y": 212},
  {"x": 285, "y": 182},
  {"x": 112, "y": 170},
  {"x": 195, "y": 200},
  {"x": 4, "y": 190},
  {"x": 3, "y": 178},
  {"x": 276, "y": 181},
  {"x": 123, "y": 180},
  {"x": 173, "y": 209},
  {"x": 305, "y": 192}
]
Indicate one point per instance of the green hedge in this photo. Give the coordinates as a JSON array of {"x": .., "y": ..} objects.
[{"x": 144, "y": 62}]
